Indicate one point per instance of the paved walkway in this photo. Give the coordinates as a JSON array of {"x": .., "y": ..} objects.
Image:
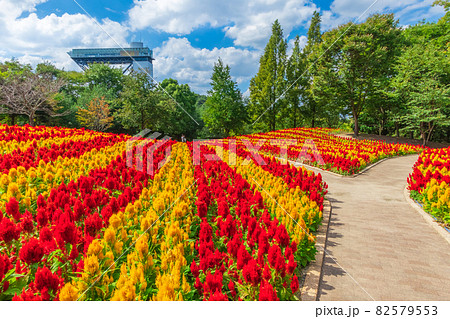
[{"x": 381, "y": 241}]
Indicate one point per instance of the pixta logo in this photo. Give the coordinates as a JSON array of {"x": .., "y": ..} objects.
[
  {"x": 255, "y": 150},
  {"x": 139, "y": 142}
]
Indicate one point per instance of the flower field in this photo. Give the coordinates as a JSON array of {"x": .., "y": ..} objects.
[
  {"x": 429, "y": 183},
  {"x": 81, "y": 220},
  {"x": 341, "y": 155}
]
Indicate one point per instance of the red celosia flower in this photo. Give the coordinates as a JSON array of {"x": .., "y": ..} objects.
[
  {"x": 252, "y": 273},
  {"x": 291, "y": 265},
  {"x": 267, "y": 292},
  {"x": 8, "y": 230},
  {"x": 5, "y": 266},
  {"x": 213, "y": 282},
  {"x": 274, "y": 252},
  {"x": 194, "y": 269},
  {"x": 27, "y": 296},
  {"x": 202, "y": 209},
  {"x": 198, "y": 285},
  {"x": 41, "y": 203},
  {"x": 12, "y": 209},
  {"x": 93, "y": 224},
  {"x": 294, "y": 247},
  {"x": 107, "y": 212},
  {"x": 294, "y": 284},
  {"x": 45, "y": 234},
  {"x": 243, "y": 257},
  {"x": 281, "y": 236},
  {"x": 218, "y": 296},
  {"x": 31, "y": 252},
  {"x": 232, "y": 288},
  {"x": 74, "y": 253},
  {"x": 65, "y": 231},
  {"x": 222, "y": 208},
  {"x": 78, "y": 210},
  {"x": 114, "y": 205},
  {"x": 46, "y": 279},
  {"x": 205, "y": 234},
  {"x": 41, "y": 217},
  {"x": 27, "y": 222},
  {"x": 266, "y": 273}
]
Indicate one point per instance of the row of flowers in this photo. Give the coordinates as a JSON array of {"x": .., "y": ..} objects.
[
  {"x": 142, "y": 253},
  {"x": 50, "y": 149},
  {"x": 242, "y": 251},
  {"x": 50, "y": 232},
  {"x": 342, "y": 155},
  {"x": 429, "y": 183},
  {"x": 22, "y": 137}
]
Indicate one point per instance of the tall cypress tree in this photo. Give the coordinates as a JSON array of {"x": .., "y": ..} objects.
[
  {"x": 224, "y": 108},
  {"x": 296, "y": 83},
  {"x": 269, "y": 84},
  {"x": 314, "y": 38}
]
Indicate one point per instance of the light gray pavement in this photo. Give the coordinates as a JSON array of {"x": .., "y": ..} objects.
[{"x": 381, "y": 241}]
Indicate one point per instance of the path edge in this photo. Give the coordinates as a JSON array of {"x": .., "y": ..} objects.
[
  {"x": 314, "y": 271},
  {"x": 426, "y": 216},
  {"x": 321, "y": 171}
]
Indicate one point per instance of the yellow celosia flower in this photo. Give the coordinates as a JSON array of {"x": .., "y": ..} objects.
[
  {"x": 95, "y": 248},
  {"x": 91, "y": 265},
  {"x": 68, "y": 293},
  {"x": 142, "y": 246},
  {"x": 110, "y": 236},
  {"x": 126, "y": 293},
  {"x": 115, "y": 221}
]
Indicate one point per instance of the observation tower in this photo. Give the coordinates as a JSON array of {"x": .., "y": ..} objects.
[{"x": 137, "y": 57}]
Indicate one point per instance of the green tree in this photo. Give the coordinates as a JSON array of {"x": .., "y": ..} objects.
[
  {"x": 224, "y": 107},
  {"x": 297, "y": 84},
  {"x": 422, "y": 82},
  {"x": 48, "y": 69},
  {"x": 352, "y": 66},
  {"x": 69, "y": 98},
  {"x": 106, "y": 76},
  {"x": 178, "y": 103},
  {"x": 269, "y": 84},
  {"x": 96, "y": 116},
  {"x": 314, "y": 39},
  {"x": 139, "y": 101}
]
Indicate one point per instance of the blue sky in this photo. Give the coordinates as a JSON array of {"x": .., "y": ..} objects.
[{"x": 187, "y": 36}]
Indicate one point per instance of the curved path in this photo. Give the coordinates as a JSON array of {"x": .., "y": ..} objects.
[{"x": 387, "y": 249}]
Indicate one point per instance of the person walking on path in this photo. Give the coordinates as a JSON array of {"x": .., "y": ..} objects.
[{"x": 183, "y": 138}]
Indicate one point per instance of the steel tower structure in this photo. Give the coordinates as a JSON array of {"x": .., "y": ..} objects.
[{"x": 136, "y": 57}]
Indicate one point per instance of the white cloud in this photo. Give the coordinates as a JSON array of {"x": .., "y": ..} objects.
[
  {"x": 343, "y": 11},
  {"x": 248, "y": 23},
  {"x": 178, "y": 59},
  {"x": 31, "y": 39}
]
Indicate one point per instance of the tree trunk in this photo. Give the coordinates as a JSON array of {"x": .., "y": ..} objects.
[
  {"x": 273, "y": 122},
  {"x": 13, "y": 119},
  {"x": 31, "y": 119},
  {"x": 355, "y": 118},
  {"x": 313, "y": 120},
  {"x": 397, "y": 129},
  {"x": 295, "y": 118},
  {"x": 422, "y": 133}
]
